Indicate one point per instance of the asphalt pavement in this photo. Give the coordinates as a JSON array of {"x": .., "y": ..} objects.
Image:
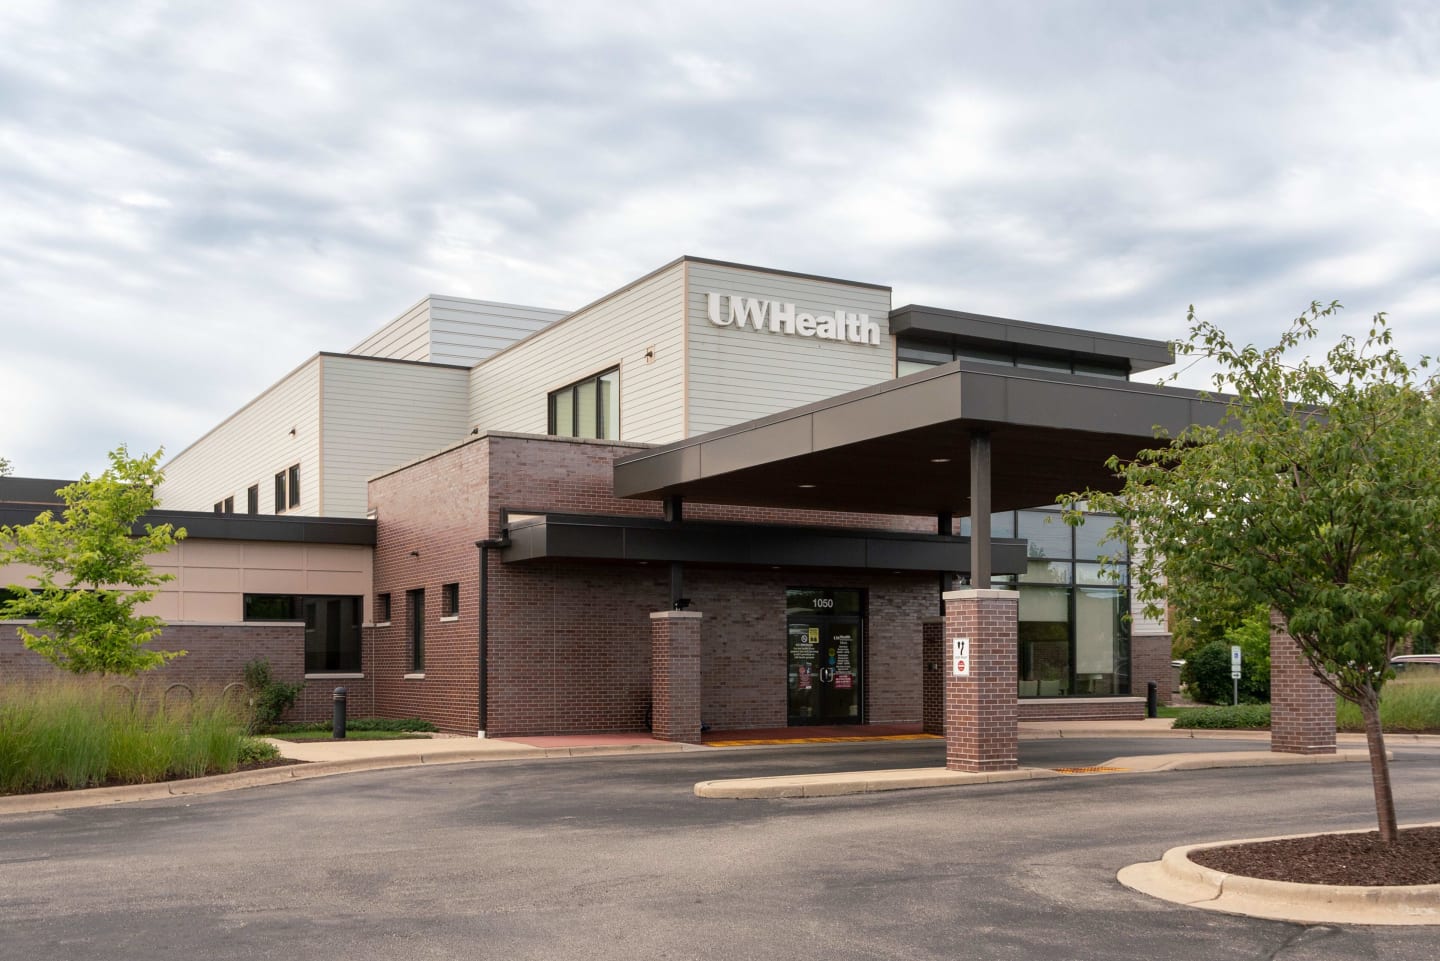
[{"x": 615, "y": 858}]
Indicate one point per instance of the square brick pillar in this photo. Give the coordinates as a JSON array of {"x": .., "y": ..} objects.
[
  {"x": 981, "y": 713},
  {"x": 675, "y": 676},
  {"x": 1302, "y": 708},
  {"x": 1150, "y": 661},
  {"x": 932, "y": 674}
]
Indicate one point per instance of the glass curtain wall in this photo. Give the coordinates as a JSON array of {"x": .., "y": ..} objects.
[{"x": 1073, "y": 637}]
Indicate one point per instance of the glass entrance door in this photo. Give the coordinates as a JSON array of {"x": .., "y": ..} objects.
[{"x": 824, "y": 630}]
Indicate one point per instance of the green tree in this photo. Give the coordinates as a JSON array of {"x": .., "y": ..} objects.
[
  {"x": 5, "y": 468},
  {"x": 1317, "y": 497},
  {"x": 92, "y": 572}
]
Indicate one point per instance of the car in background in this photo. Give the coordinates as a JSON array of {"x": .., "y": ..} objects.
[{"x": 1416, "y": 665}]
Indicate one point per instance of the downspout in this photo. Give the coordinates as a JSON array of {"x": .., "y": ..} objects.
[{"x": 483, "y": 639}]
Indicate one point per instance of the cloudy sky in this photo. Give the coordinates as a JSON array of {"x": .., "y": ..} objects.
[{"x": 195, "y": 197}]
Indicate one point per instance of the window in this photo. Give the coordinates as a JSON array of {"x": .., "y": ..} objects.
[
  {"x": 332, "y": 626},
  {"x": 590, "y": 408},
  {"x": 415, "y": 611},
  {"x": 252, "y": 500},
  {"x": 914, "y": 353},
  {"x": 287, "y": 489},
  {"x": 450, "y": 601},
  {"x": 219, "y": 507},
  {"x": 382, "y": 608},
  {"x": 227, "y": 506}
]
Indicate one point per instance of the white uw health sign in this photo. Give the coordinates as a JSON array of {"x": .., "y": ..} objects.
[
  {"x": 960, "y": 657},
  {"x": 775, "y": 317}
]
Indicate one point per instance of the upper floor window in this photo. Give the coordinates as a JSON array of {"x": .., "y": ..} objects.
[
  {"x": 227, "y": 506},
  {"x": 915, "y": 354},
  {"x": 287, "y": 489},
  {"x": 589, "y": 408},
  {"x": 252, "y": 500}
]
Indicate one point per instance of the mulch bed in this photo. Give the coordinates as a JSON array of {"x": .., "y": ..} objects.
[{"x": 1360, "y": 859}]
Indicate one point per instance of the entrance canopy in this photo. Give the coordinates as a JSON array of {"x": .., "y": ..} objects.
[{"x": 905, "y": 446}]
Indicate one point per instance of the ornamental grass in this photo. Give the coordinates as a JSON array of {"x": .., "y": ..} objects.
[{"x": 83, "y": 732}]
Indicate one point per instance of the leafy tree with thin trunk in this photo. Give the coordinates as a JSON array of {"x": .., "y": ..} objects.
[
  {"x": 5, "y": 467},
  {"x": 92, "y": 572},
  {"x": 1318, "y": 496}
]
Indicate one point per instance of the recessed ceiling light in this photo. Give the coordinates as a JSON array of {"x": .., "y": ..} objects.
[
  {"x": 805, "y": 487},
  {"x": 939, "y": 460}
]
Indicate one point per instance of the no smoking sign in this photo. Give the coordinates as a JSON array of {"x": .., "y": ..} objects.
[{"x": 960, "y": 657}]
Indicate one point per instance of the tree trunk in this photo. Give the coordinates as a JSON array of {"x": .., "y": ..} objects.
[{"x": 1379, "y": 766}]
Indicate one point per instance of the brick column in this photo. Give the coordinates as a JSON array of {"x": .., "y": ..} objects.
[
  {"x": 1302, "y": 708},
  {"x": 981, "y": 714},
  {"x": 932, "y": 674},
  {"x": 675, "y": 676},
  {"x": 1150, "y": 661}
]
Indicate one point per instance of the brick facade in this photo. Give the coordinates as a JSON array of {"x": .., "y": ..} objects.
[
  {"x": 1082, "y": 708},
  {"x": 216, "y": 655},
  {"x": 932, "y": 694},
  {"x": 1150, "y": 661},
  {"x": 981, "y": 732},
  {"x": 675, "y": 675},
  {"x": 1302, "y": 708},
  {"x": 569, "y": 642}
]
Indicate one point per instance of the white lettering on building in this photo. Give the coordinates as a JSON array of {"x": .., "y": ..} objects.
[{"x": 772, "y": 316}]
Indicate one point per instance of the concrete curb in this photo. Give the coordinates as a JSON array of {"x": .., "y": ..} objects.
[
  {"x": 865, "y": 782},
  {"x": 218, "y": 783},
  {"x": 1202, "y": 762},
  {"x": 1177, "y": 879}
]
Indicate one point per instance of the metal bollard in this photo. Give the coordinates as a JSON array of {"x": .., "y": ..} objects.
[
  {"x": 337, "y": 724},
  {"x": 1152, "y": 699}
]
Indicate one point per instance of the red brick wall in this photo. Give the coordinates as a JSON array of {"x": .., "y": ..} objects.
[
  {"x": 570, "y": 643},
  {"x": 1302, "y": 708},
  {"x": 216, "y": 656},
  {"x": 1150, "y": 661},
  {"x": 933, "y": 685},
  {"x": 1082, "y": 709},
  {"x": 980, "y": 710},
  {"x": 675, "y": 675}
]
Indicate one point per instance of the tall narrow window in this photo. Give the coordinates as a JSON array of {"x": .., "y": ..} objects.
[
  {"x": 589, "y": 408},
  {"x": 415, "y": 605},
  {"x": 450, "y": 601},
  {"x": 252, "y": 500},
  {"x": 219, "y": 507},
  {"x": 294, "y": 485},
  {"x": 280, "y": 493}
]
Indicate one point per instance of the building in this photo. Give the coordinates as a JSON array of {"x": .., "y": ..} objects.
[{"x": 534, "y": 497}]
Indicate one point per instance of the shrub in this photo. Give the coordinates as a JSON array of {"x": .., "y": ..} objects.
[
  {"x": 254, "y": 750},
  {"x": 1221, "y": 718},
  {"x": 269, "y": 699},
  {"x": 1207, "y": 671}
]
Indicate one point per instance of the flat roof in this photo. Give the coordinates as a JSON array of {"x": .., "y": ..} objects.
[
  {"x": 903, "y": 447},
  {"x": 1139, "y": 353}
]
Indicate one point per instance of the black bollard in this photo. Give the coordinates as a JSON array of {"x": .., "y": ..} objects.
[
  {"x": 337, "y": 725},
  {"x": 1152, "y": 699}
]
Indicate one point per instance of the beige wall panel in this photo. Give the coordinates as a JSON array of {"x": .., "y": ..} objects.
[
  {"x": 214, "y": 579},
  {"x": 207, "y": 553},
  {"x": 251, "y": 447},
  {"x": 283, "y": 557},
  {"x": 737, "y": 374},
  {"x": 334, "y": 582},
  {"x": 164, "y": 604},
  {"x": 337, "y": 557},
  {"x": 379, "y": 414},
  {"x": 202, "y": 606},
  {"x": 509, "y": 392},
  {"x": 268, "y": 581}
]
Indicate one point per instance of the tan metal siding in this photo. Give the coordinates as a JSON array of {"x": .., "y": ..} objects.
[
  {"x": 251, "y": 447},
  {"x": 510, "y": 390},
  {"x": 738, "y": 374},
  {"x": 468, "y": 331},
  {"x": 379, "y": 414},
  {"x": 407, "y": 337}
]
